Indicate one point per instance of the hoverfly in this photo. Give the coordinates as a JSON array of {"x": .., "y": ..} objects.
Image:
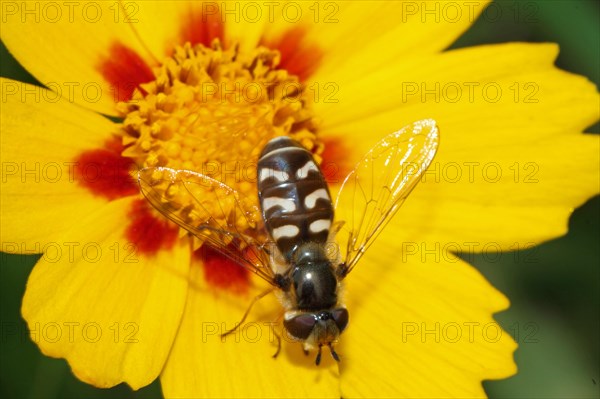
[{"x": 298, "y": 226}]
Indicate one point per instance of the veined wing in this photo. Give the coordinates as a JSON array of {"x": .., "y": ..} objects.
[
  {"x": 374, "y": 191},
  {"x": 212, "y": 211}
]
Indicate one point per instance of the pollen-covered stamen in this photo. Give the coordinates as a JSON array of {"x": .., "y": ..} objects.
[{"x": 211, "y": 110}]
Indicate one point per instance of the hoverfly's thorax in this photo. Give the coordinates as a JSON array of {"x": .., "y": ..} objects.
[
  {"x": 313, "y": 278},
  {"x": 315, "y": 287},
  {"x": 293, "y": 196}
]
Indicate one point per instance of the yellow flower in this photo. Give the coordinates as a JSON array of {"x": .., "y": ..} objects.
[{"x": 124, "y": 296}]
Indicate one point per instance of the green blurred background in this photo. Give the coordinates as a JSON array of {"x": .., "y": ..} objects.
[{"x": 555, "y": 299}]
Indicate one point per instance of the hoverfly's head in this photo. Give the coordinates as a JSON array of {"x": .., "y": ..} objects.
[{"x": 317, "y": 329}]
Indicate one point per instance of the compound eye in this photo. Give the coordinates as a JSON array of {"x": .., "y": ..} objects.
[
  {"x": 300, "y": 326},
  {"x": 340, "y": 316}
]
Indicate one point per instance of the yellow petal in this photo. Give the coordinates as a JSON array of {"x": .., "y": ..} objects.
[
  {"x": 421, "y": 329},
  {"x": 201, "y": 364},
  {"x": 105, "y": 305},
  {"x": 64, "y": 45},
  {"x": 372, "y": 35},
  {"x": 518, "y": 197},
  {"x": 462, "y": 85},
  {"x": 356, "y": 36},
  {"x": 164, "y": 24},
  {"x": 508, "y": 172},
  {"x": 41, "y": 137}
]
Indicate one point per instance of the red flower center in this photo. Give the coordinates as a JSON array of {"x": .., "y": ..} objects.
[{"x": 172, "y": 119}]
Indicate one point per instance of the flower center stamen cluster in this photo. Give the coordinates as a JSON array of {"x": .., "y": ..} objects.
[{"x": 211, "y": 110}]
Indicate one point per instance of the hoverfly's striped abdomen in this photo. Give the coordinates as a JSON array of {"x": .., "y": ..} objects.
[{"x": 293, "y": 196}]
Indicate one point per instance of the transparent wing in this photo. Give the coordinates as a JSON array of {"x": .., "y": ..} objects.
[
  {"x": 374, "y": 191},
  {"x": 212, "y": 211}
]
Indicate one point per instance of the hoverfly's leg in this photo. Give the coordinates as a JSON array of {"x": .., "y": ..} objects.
[
  {"x": 277, "y": 321},
  {"x": 256, "y": 299},
  {"x": 342, "y": 270},
  {"x": 334, "y": 353},
  {"x": 318, "y": 359},
  {"x": 306, "y": 352},
  {"x": 278, "y": 344}
]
